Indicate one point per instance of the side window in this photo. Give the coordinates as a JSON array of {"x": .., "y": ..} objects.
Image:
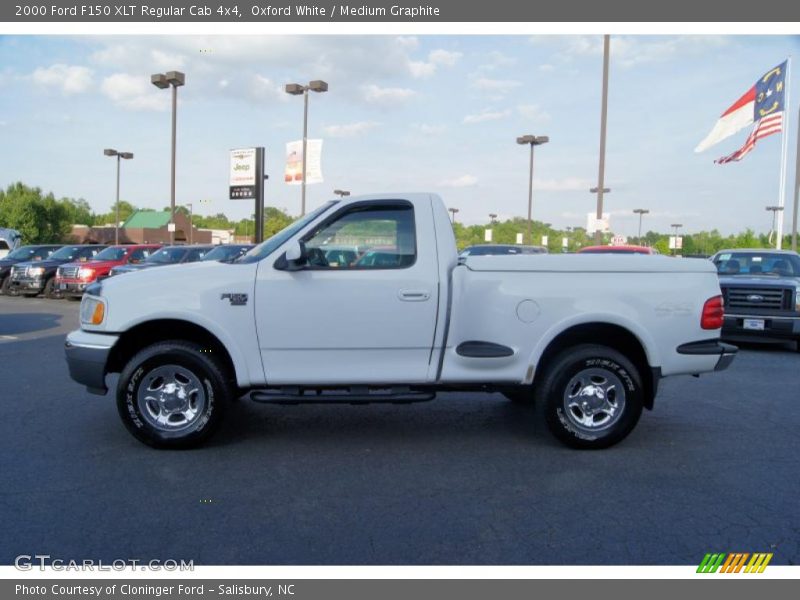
[
  {"x": 196, "y": 254},
  {"x": 371, "y": 237},
  {"x": 139, "y": 255}
]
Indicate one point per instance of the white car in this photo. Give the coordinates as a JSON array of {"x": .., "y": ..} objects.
[{"x": 587, "y": 338}]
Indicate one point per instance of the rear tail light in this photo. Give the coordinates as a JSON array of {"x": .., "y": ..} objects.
[{"x": 712, "y": 313}]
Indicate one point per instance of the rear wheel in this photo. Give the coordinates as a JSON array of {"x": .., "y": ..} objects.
[
  {"x": 50, "y": 289},
  {"x": 591, "y": 395},
  {"x": 173, "y": 395}
]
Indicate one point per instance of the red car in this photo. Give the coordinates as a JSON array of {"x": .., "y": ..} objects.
[
  {"x": 72, "y": 278},
  {"x": 617, "y": 250}
]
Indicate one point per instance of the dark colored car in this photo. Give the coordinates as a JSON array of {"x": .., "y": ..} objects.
[
  {"x": 72, "y": 278},
  {"x": 168, "y": 255},
  {"x": 501, "y": 249},
  {"x": 22, "y": 254},
  {"x": 36, "y": 277},
  {"x": 761, "y": 289},
  {"x": 228, "y": 252}
]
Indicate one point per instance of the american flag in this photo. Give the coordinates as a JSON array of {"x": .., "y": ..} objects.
[{"x": 766, "y": 126}]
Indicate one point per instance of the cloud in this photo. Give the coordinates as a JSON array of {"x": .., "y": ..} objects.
[
  {"x": 459, "y": 182},
  {"x": 387, "y": 96},
  {"x": 495, "y": 85},
  {"x": 134, "y": 92},
  {"x": 436, "y": 58},
  {"x": 426, "y": 129},
  {"x": 486, "y": 115},
  {"x": 69, "y": 79},
  {"x": 260, "y": 88},
  {"x": 567, "y": 184},
  {"x": 546, "y": 68},
  {"x": 533, "y": 112},
  {"x": 349, "y": 129}
]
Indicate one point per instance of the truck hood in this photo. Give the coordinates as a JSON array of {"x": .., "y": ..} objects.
[
  {"x": 179, "y": 278},
  {"x": 47, "y": 263},
  {"x": 581, "y": 263},
  {"x": 759, "y": 281}
]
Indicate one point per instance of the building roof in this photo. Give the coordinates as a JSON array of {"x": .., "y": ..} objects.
[{"x": 147, "y": 219}]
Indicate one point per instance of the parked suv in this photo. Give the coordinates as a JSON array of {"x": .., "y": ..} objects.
[
  {"x": 228, "y": 252},
  {"x": 761, "y": 288},
  {"x": 21, "y": 254},
  {"x": 36, "y": 277},
  {"x": 168, "y": 255},
  {"x": 72, "y": 278}
]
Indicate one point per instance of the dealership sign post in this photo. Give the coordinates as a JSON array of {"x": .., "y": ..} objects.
[{"x": 246, "y": 182}]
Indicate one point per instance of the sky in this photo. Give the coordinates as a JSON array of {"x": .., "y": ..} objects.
[{"x": 403, "y": 113}]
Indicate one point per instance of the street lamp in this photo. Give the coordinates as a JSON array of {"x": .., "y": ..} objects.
[
  {"x": 453, "y": 212},
  {"x": 341, "y": 193},
  {"x": 119, "y": 155},
  {"x": 676, "y": 226},
  {"x": 775, "y": 210},
  {"x": 533, "y": 140},
  {"x": 162, "y": 81},
  {"x": 640, "y": 212},
  {"x": 295, "y": 89},
  {"x": 492, "y": 218}
]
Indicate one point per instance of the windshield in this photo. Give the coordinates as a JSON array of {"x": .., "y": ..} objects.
[
  {"x": 269, "y": 246},
  {"x": 758, "y": 263},
  {"x": 24, "y": 253},
  {"x": 112, "y": 254},
  {"x": 166, "y": 256},
  {"x": 225, "y": 252},
  {"x": 66, "y": 253}
]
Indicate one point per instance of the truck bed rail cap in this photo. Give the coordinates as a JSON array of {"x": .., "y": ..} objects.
[{"x": 576, "y": 263}]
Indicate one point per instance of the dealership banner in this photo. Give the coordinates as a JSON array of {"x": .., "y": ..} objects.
[
  {"x": 293, "y": 174},
  {"x": 393, "y": 11}
]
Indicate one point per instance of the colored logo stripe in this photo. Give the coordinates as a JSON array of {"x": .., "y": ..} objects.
[{"x": 734, "y": 562}]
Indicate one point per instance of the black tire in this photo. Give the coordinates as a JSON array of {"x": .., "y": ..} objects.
[
  {"x": 4, "y": 283},
  {"x": 7, "y": 289},
  {"x": 519, "y": 394},
  {"x": 74, "y": 298},
  {"x": 49, "y": 289},
  {"x": 592, "y": 364},
  {"x": 211, "y": 374}
]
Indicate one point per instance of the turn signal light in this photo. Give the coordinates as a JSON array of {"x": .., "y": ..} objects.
[
  {"x": 98, "y": 313},
  {"x": 712, "y": 313}
]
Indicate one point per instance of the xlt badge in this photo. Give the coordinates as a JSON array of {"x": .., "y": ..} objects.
[{"x": 235, "y": 299}]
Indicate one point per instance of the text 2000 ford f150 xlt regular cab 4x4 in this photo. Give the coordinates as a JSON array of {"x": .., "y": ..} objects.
[{"x": 585, "y": 338}]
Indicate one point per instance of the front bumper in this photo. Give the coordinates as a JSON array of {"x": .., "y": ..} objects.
[
  {"x": 726, "y": 352},
  {"x": 72, "y": 288},
  {"x": 87, "y": 356},
  {"x": 776, "y": 328},
  {"x": 27, "y": 284}
]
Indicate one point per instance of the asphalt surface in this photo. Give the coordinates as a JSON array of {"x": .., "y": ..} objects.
[{"x": 466, "y": 479}]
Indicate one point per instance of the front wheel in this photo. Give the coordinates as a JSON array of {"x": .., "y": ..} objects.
[
  {"x": 173, "y": 394},
  {"x": 592, "y": 396}
]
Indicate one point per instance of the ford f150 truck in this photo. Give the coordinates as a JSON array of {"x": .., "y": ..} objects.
[{"x": 585, "y": 338}]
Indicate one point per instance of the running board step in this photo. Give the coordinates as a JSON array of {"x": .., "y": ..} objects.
[{"x": 355, "y": 395}]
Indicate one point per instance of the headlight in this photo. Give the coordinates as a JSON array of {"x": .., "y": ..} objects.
[
  {"x": 36, "y": 271},
  {"x": 85, "y": 273},
  {"x": 93, "y": 311}
]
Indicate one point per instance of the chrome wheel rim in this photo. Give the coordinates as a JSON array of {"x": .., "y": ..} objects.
[
  {"x": 171, "y": 398},
  {"x": 594, "y": 400}
]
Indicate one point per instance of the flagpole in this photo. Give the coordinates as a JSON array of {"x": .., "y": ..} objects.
[{"x": 784, "y": 154}]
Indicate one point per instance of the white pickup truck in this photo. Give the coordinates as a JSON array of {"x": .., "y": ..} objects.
[{"x": 365, "y": 300}]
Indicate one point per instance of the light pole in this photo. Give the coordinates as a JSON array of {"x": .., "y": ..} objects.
[
  {"x": 640, "y": 212},
  {"x": 453, "y": 212},
  {"x": 119, "y": 155},
  {"x": 601, "y": 171},
  {"x": 598, "y": 233},
  {"x": 774, "y": 210},
  {"x": 533, "y": 140},
  {"x": 295, "y": 89},
  {"x": 676, "y": 226},
  {"x": 162, "y": 81},
  {"x": 341, "y": 193}
]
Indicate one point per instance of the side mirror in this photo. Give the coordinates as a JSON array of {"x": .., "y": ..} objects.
[{"x": 294, "y": 259}]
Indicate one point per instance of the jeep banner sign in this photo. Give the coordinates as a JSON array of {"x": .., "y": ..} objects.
[{"x": 243, "y": 174}]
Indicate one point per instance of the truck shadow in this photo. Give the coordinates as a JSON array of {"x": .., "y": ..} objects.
[{"x": 16, "y": 323}]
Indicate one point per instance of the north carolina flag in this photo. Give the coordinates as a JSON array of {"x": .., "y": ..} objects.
[{"x": 763, "y": 101}]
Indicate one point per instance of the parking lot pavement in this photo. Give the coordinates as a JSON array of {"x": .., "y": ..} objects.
[{"x": 466, "y": 479}]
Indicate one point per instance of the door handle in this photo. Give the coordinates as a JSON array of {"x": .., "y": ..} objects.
[{"x": 414, "y": 295}]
